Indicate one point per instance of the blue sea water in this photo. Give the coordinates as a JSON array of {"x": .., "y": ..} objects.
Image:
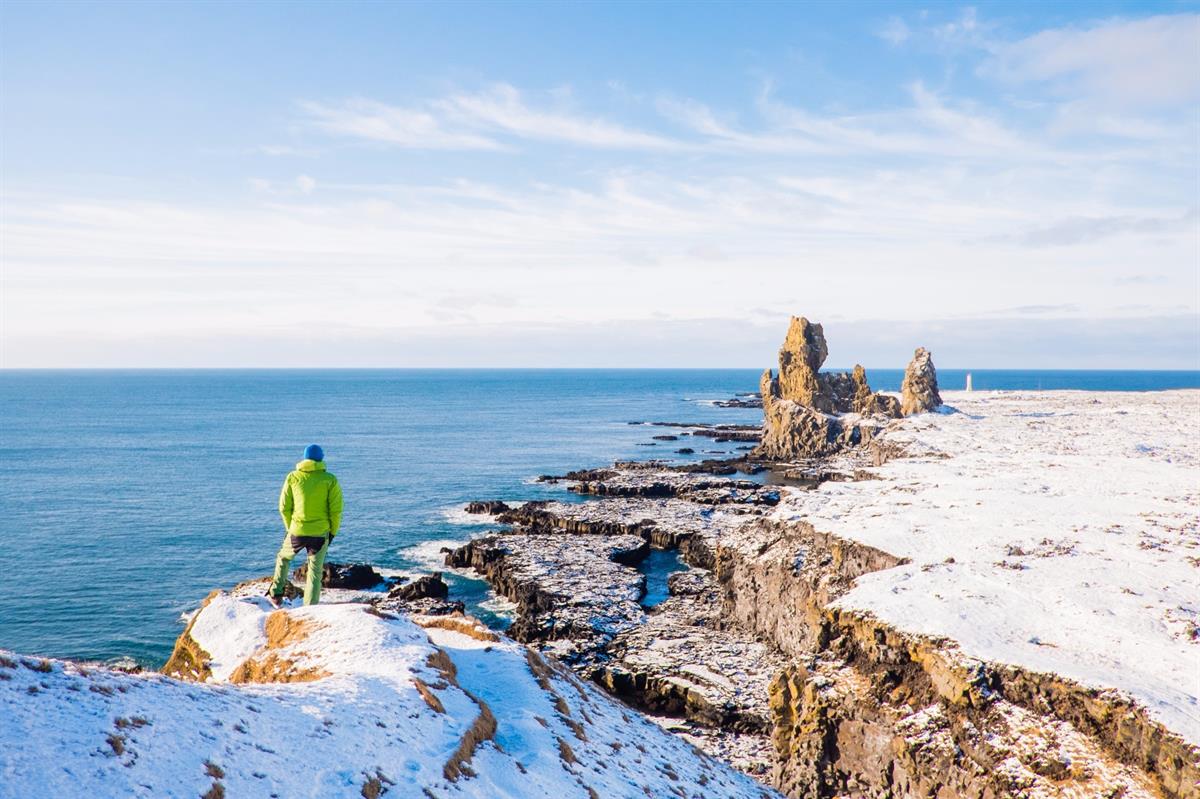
[{"x": 126, "y": 496}]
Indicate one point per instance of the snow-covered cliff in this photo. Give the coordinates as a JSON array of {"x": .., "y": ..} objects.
[{"x": 338, "y": 700}]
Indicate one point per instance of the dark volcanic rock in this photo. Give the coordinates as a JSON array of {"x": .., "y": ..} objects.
[
  {"x": 665, "y": 438},
  {"x": 685, "y": 451},
  {"x": 431, "y": 586},
  {"x": 748, "y": 400},
  {"x": 729, "y": 433},
  {"x": 572, "y": 587},
  {"x": 351, "y": 576},
  {"x": 487, "y": 507},
  {"x": 580, "y": 474}
]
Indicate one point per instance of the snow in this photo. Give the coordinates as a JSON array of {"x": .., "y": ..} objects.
[
  {"x": 1056, "y": 531},
  {"x": 71, "y": 730},
  {"x": 230, "y": 630}
]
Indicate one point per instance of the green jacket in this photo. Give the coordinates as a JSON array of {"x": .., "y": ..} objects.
[{"x": 311, "y": 500}]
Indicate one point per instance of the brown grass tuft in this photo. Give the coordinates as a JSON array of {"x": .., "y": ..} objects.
[
  {"x": 116, "y": 743},
  {"x": 482, "y": 729},
  {"x": 466, "y": 625},
  {"x": 283, "y": 630},
  {"x": 565, "y": 753},
  {"x": 428, "y": 695}
]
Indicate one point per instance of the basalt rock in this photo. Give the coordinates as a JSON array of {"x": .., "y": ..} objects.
[
  {"x": 750, "y": 400},
  {"x": 919, "y": 392},
  {"x": 351, "y": 576},
  {"x": 430, "y": 586},
  {"x": 487, "y": 507}
]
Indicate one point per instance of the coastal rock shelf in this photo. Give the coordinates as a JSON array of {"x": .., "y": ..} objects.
[
  {"x": 577, "y": 589},
  {"x": 799, "y": 624}
]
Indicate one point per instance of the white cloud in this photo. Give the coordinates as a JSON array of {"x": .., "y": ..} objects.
[
  {"x": 894, "y": 31},
  {"x": 305, "y": 184},
  {"x": 401, "y": 127},
  {"x": 1078, "y": 230},
  {"x": 503, "y": 108},
  {"x": 1130, "y": 63},
  {"x": 474, "y": 121}
]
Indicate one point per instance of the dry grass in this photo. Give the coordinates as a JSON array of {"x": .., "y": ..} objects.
[
  {"x": 116, "y": 743},
  {"x": 565, "y": 753},
  {"x": 482, "y": 729},
  {"x": 283, "y": 630},
  {"x": 466, "y": 625},
  {"x": 428, "y": 695}
]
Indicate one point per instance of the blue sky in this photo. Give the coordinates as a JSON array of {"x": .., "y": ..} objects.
[{"x": 1012, "y": 185}]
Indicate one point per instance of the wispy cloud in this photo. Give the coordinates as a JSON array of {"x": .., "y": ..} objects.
[
  {"x": 1079, "y": 230},
  {"x": 477, "y": 121},
  {"x": 373, "y": 121},
  {"x": 893, "y": 31},
  {"x": 909, "y": 206},
  {"x": 503, "y": 108},
  {"x": 1129, "y": 63}
]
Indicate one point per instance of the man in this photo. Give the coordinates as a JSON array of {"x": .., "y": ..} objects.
[{"x": 311, "y": 506}]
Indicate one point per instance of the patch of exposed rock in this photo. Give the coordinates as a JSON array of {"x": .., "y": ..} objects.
[{"x": 866, "y": 710}]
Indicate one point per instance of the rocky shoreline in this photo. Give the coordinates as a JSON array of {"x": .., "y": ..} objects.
[
  {"x": 752, "y": 659},
  {"x": 753, "y": 656}
]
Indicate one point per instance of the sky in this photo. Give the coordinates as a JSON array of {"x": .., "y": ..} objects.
[{"x": 1012, "y": 185}]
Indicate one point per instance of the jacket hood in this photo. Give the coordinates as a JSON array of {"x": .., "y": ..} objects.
[{"x": 308, "y": 465}]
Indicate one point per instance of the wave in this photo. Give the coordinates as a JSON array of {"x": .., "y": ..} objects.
[
  {"x": 429, "y": 553},
  {"x": 457, "y": 515}
]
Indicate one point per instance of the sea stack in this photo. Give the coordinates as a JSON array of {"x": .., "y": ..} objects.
[
  {"x": 802, "y": 407},
  {"x": 919, "y": 391}
]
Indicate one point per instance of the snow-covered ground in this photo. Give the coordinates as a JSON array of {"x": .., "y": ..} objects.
[
  {"x": 389, "y": 706},
  {"x": 1057, "y": 531}
]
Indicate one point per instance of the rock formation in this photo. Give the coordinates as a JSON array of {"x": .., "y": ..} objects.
[
  {"x": 800, "y": 358},
  {"x": 870, "y": 403},
  {"x": 800, "y": 406},
  {"x": 919, "y": 392},
  {"x": 792, "y": 430}
]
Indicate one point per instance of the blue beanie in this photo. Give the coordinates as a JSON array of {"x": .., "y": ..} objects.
[{"x": 313, "y": 452}]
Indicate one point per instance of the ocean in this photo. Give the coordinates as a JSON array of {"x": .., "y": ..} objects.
[{"x": 126, "y": 496}]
